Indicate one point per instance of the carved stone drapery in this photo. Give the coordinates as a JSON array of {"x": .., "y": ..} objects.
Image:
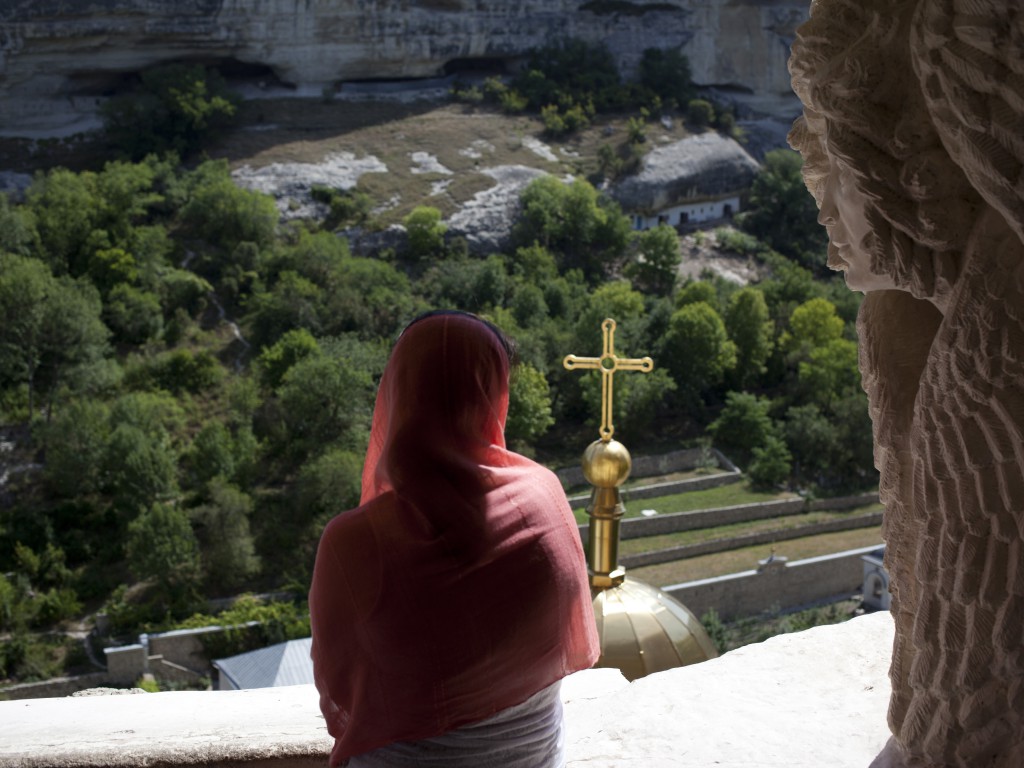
[{"x": 913, "y": 148}]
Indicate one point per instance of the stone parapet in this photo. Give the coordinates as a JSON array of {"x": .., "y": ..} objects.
[{"x": 815, "y": 698}]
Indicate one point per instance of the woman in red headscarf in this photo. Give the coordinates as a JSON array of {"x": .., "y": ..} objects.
[{"x": 448, "y": 605}]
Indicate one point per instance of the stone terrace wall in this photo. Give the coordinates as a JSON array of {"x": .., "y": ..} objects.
[
  {"x": 787, "y": 586},
  {"x": 684, "y": 551}
]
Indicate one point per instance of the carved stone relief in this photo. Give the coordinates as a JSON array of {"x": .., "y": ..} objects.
[{"x": 913, "y": 142}]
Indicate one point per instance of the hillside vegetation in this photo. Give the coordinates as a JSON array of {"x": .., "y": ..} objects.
[{"x": 195, "y": 379}]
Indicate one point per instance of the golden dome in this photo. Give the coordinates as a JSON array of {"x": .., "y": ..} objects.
[{"x": 644, "y": 630}]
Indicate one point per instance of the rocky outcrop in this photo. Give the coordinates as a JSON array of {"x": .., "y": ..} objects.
[
  {"x": 58, "y": 59},
  {"x": 705, "y": 166}
]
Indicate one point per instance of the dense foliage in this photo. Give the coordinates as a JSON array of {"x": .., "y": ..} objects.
[
  {"x": 174, "y": 107},
  {"x": 570, "y": 81},
  {"x": 195, "y": 380}
]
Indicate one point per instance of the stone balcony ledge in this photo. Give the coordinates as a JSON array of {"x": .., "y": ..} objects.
[{"x": 815, "y": 698}]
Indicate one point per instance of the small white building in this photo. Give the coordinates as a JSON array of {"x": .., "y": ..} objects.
[{"x": 685, "y": 214}]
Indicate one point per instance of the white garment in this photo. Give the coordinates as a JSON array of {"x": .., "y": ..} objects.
[{"x": 528, "y": 735}]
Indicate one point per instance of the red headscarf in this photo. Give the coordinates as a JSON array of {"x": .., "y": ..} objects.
[{"x": 458, "y": 587}]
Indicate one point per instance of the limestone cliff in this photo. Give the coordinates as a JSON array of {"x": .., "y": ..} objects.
[{"x": 58, "y": 58}]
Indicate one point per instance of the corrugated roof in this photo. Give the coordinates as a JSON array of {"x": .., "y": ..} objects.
[{"x": 282, "y": 664}]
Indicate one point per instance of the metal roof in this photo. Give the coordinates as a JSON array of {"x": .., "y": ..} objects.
[{"x": 286, "y": 663}]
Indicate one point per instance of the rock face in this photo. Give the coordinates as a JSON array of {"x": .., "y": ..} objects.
[
  {"x": 57, "y": 59},
  {"x": 707, "y": 165}
]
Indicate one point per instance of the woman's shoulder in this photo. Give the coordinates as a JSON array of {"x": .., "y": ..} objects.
[{"x": 352, "y": 521}]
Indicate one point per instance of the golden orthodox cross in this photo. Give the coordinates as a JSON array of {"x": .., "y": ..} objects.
[{"x": 608, "y": 363}]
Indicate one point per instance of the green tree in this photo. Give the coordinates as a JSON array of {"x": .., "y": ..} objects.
[
  {"x": 293, "y": 302},
  {"x": 812, "y": 324},
  {"x": 368, "y": 297},
  {"x": 582, "y": 229},
  {"x": 161, "y": 547},
  {"x": 111, "y": 267},
  {"x": 76, "y": 446},
  {"x": 770, "y": 465},
  {"x": 276, "y": 360},
  {"x": 751, "y": 330},
  {"x": 176, "y": 107},
  {"x": 620, "y": 302},
  {"x": 742, "y": 426},
  {"x": 228, "y": 552},
  {"x": 426, "y": 232},
  {"x": 329, "y": 485},
  {"x": 529, "y": 405},
  {"x": 66, "y": 209},
  {"x": 666, "y": 73},
  {"x": 134, "y": 316},
  {"x": 24, "y": 286},
  {"x": 570, "y": 72},
  {"x": 50, "y": 328},
  {"x": 810, "y": 437},
  {"x": 140, "y": 467},
  {"x": 17, "y": 229},
  {"x": 789, "y": 286},
  {"x": 73, "y": 333},
  {"x": 830, "y": 371},
  {"x": 528, "y": 306},
  {"x": 697, "y": 290},
  {"x": 225, "y": 215},
  {"x": 325, "y": 400},
  {"x": 697, "y": 350},
  {"x": 211, "y": 455},
  {"x": 474, "y": 285},
  {"x": 657, "y": 266},
  {"x": 783, "y": 214}
]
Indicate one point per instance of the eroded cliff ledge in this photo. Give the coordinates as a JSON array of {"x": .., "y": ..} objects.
[{"x": 59, "y": 59}]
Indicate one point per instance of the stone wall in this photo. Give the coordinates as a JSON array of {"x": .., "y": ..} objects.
[
  {"x": 683, "y": 551},
  {"x": 58, "y": 59},
  {"x": 653, "y": 491},
  {"x": 58, "y": 686},
  {"x": 787, "y": 586},
  {"x": 638, "y": 527}
]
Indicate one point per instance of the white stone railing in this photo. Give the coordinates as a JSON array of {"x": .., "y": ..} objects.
[{"x": 815, "y": 698}]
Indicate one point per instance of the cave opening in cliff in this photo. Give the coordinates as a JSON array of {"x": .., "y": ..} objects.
[
  {"x": 239, "y": 73},
  {"x": 480, "y": 66},
  {"x": 108, "y": 83}
]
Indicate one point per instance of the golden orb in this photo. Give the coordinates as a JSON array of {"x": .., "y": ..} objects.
[{"x": 606, "y": 464}]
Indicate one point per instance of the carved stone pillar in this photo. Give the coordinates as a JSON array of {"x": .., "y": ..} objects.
[{"x": 912, "y": 142}]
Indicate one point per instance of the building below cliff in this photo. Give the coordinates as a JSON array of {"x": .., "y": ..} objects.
[{"x": 701, "y": 178}]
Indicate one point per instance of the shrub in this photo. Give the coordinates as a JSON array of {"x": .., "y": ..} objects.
[
  {"x": 426, "y": 232},
  {"x": 177, "y": 371},
  {"x": 176, "y": 108},
  {"x": 700, "y": 113},
  {"x": 512, "y": 101},
  {"x": 771, "y": 464}
]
